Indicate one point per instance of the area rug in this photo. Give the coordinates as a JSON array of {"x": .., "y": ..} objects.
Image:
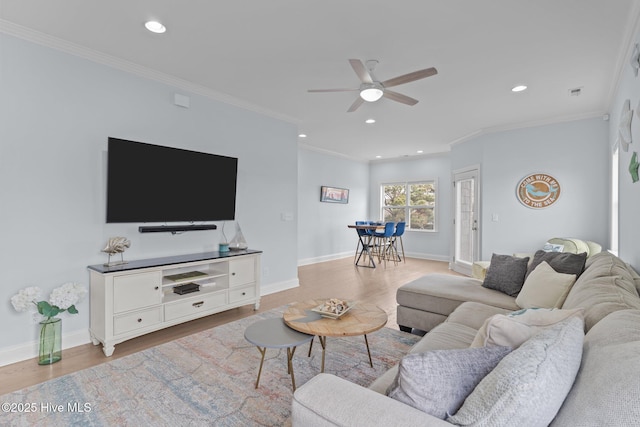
[{"x": 204, "y": 379}]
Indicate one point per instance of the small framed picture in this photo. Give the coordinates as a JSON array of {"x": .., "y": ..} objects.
[{"x": 334, "y": 194}]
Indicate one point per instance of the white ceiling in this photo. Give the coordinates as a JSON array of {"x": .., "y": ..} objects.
[{"x": 264, "y": 55}]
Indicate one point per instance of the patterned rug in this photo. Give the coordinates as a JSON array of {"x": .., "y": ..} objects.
[{"x": 207, "y": 378}]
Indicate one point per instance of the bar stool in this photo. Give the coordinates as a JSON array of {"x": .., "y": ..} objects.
[
  {"x": 383, "y": 243},
  {"x": 398, "y": 235}
]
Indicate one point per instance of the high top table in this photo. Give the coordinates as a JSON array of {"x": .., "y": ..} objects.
[
  {"x": 365, "y": 243},
  {"x": 361, "y": 319}
]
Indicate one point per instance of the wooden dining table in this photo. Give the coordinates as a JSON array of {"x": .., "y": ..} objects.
[{"x": 364, "y": 243}]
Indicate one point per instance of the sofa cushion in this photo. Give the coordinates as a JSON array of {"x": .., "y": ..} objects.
[
  {"x": 437, "y": 382},
  {"x": 606, "y": 286},
  {"x": 506, "y": 274},
  {"x": 443, "y": 293},
  {"x": 515, "y": 328},
  {"x": 529, "y": 385},
  {"x": 474, "y": 314},
  {"x": 545, "y": 288},
  {"x": 561, "y": 262},
  {"x": 443, "y": 337},
  {"x": 606, "y": 391}
]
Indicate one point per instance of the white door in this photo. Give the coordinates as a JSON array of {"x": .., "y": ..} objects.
[{"x": 465, "y": 223}]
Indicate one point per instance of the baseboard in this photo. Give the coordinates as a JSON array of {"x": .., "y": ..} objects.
[
  {"x": 324, "y": 258},
  {"x": 418, "y": 255},
  {"x": 29, "y": 350},
  {"x": 430, "y": 257},
  {"x": 272, "y": 288}
]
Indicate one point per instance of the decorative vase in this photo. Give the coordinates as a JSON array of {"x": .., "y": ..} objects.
[
  {"x": 238, "y": 242},
  {"x": 50, "y": 341}
]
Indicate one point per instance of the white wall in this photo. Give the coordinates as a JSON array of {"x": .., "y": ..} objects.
[
  {"x": 322, "y": 227},
  {"x": 56, "y": 112},
  {"x": 419, "y": 244},
  {"x": 575, "y": 153},
  {"x": 629, "y": 192}
]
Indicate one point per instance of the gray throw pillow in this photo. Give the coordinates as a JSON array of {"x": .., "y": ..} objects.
[
  {"x": 506, "y": 274},
  {"x": 438, "y": 381},
  {"x": 529, "y": 385},
  {"x": 561, "y": 262}
]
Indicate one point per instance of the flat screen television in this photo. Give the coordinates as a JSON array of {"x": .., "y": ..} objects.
[{"x": 152, "y": 183}]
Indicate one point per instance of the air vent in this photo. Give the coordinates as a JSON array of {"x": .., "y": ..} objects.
[{"x": 575, "y": 91}]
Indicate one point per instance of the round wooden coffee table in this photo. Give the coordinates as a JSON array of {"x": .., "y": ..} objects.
[{"x": 361, "y": 319}]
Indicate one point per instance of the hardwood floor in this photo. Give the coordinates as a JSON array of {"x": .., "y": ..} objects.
[{"x": 340, "y": 279}]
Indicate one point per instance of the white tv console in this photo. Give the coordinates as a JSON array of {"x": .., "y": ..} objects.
[{"x": 137, "y": 298}]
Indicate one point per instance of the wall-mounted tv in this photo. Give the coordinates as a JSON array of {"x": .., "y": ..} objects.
[{"x": 152, "y": 183}]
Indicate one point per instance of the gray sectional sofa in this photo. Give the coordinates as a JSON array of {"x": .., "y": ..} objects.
[{"x": 604, "y": 389}]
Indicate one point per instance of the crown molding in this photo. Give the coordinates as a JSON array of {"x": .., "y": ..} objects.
[
  {"x": 524, "y": 125},
  {"x": 65, "y": 46},
  {"x": 626, "y": 47}
]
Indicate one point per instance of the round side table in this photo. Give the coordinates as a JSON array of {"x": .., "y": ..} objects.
[{"x": 274, "y": 333}]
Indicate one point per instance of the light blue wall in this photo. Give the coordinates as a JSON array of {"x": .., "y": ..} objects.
[
  {"x": 322, "y": 227},
  {"x": 629, "y": 192},
  {"x": 56, "y": 112},
  {"x": 419, "y": 244},
  {"x": 575, "y": 153}
]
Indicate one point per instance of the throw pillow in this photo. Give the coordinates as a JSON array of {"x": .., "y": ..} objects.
[
  {"x": 562, "y": 262},
  {"x": 545, "y": 287},
  {"x": 438, "y": 381},
  {"x": 515, "y": 328},
  {"x": 528, "y": 386},
  {"x": 506, "y": 274}
]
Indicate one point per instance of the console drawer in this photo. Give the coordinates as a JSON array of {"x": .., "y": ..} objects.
[
  {"x": 193, "y": 305},
  {"x": 239, "y": 294},
  {"x": 137, "y": 320}
]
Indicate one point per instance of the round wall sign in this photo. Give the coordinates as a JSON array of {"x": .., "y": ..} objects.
[{"x": 538, "y": 191}]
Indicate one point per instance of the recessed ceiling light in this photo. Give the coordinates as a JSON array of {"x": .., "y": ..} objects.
[
  {"x": 370, "y": 121},
  {"x": 155, "y": 27},
  {"x": 302, "y": 135},
  {"x": 378, "y": 157},
  {"x": 518, "y": 88},
  {"x": 419, "y": 151}
]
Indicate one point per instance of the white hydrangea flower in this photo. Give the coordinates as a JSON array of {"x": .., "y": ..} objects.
[
  {"x": 67, "y": 295},
  {"x": 26, "y": 299}
]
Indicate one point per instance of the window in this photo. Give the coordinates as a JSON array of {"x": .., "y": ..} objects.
[{"x": 417, "y": 210}]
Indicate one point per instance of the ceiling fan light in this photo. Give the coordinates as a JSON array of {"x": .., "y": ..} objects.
[{"x": 371, "y": 94}]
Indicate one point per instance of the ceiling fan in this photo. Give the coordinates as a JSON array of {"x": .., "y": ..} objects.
[{"x": 372, "y": 90}]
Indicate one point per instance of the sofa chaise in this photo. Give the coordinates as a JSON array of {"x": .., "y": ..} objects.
[{"x": 602, "y": 314}]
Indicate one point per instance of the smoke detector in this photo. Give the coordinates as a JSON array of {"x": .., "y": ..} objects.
[{"x": 576, "y": 91}]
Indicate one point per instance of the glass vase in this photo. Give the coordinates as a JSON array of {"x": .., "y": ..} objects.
[
  {"x": 238, "y": 242},
  {"x": 50, "y": 341}
]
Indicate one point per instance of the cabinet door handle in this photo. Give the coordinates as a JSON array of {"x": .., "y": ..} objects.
[
  {"x": 198, "y": 304},
  {"x": 156, "y": 288},
  {"x": 233, "y": 274},
  {"x": 139, "y": 320},
  {"x": 244, "y": 293}
]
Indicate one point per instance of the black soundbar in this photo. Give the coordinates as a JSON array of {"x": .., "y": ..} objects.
[{"x": 175, "y": 228}]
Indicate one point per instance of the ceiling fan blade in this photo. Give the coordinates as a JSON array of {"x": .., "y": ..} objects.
[
  {"x": 398, "y": 97},
  {"x": 333, "y": 90},
  {"x": 361, "y": 71},
  {"x": 406, "y": 78},
  {"x": 357, "y": 103}
]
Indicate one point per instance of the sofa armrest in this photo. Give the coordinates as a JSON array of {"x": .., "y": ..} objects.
[{"x": 327, "y": 400}]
